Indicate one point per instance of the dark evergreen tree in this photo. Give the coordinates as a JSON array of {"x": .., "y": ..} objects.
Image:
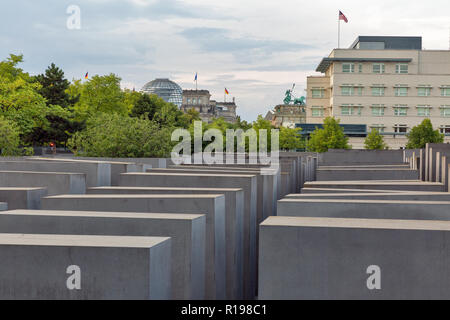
[{"x": 54, "y": 87}]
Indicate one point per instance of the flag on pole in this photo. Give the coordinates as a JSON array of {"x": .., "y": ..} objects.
[
  {"x": 342, "y": 17},
  {"x": 87, "y": 75},
  {"x": 226, "y": 91},
  {"x": 196, "y": 76}
]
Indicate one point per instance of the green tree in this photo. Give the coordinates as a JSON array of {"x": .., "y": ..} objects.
[
  {"x": 330, "y": 137},
  {"x": 20, "y": 100},
  {"x": 54, "y": 87},
  {"x": 101, "y": 94},
  {"x": 422, "y": 134},
  {"x": 262, "y": 124},
  {"x": 375, "y": 141},
  {"x": 9, "y": 138},
  {"x": 147, "y": 105},
  {"x": 113, "y": 135},
  {"x": 290, "y": 139}
]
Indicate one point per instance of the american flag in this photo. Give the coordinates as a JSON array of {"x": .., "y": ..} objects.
[{"x": 342, "y": 17}]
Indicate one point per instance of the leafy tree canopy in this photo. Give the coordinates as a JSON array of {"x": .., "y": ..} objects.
[
  {"x": 375, "y": 141},
  {"x": 330, "y": 137},
  {"x": 422, "y": 134}
]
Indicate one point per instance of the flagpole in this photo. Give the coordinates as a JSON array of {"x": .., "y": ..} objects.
[{"x": 339, "y": 32}]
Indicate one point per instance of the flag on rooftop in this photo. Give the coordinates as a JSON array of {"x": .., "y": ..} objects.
[{"x": 342, "y": 17}]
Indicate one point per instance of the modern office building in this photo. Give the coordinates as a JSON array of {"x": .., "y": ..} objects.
[
  {"x": 168, "y": 90},
  {"x": 387, "y": 83},
  {"x": 200, "y": 100}
]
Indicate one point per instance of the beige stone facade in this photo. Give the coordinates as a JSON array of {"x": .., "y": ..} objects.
[
  {"x": 388, "y": 89},
  {"x": 200, "y": 100}
]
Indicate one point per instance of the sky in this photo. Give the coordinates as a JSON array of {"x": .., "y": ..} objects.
[{"x": 255, "y": 48}]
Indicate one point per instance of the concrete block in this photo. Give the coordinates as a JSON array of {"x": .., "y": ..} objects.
[
  {"x": 265, "y": 185},
  {"x": 55, "y": 182},
  {"x": 186, "y": 231},
  {"x": 341, "y": 259},
  {"x": 365, "y": 209},
  {"x": 405, "y": 185},
  {"x": 38, "y": 267},
  {"x": 234, "y": 228},
  {"x": 23, "y": 198},
  {"x": 248, "y": 183},
  {"x": 410, "y": 195},
  {"x": 344, "y": 190},
  {"x": 213, "y": 206},
  {"x": 97, "y": 173},
  {"x": 117, "y": 168},
  {"x": 343, "y": 174},
  {"x": 354, "y": 157}
]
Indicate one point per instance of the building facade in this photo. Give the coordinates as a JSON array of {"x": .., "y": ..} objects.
[
  {"x": 200, "y": 100},
  {"x": 287, "y": 115},
  {"x": 386, "y": 83}
]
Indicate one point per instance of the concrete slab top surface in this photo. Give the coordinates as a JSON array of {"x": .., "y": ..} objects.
[
  {"x": 42, "y": 172},
  {"x": 347, "y": 201},
  {"x": 79, "y": 241},
  {"x": 372, "y": 182},
  {"x": 104, "y": 214},
  {"x": 79, "y": 160},
  {"x": 137, "y": 196},
  {"x": 387, "y": 193},
  {"x": 189, "y": 174},
  {"x": 352, "y": 191},
  {"x": 167, "y": 189},
  {"x": 20, "y": 188},
  {"x": 364, "y": 169},
  {"x": 358, "y": 223}
]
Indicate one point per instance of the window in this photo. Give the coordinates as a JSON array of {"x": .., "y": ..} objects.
[
  {"x": 378, "y": 91},
  {"x": 347, "y": 91},
  {"x": 348, "y": 67},
  {"x": 349, "y": 110},
  {"x": 445, "y": 92},
  {"x": 378, "y": 68},
  {"x": 188, "y": 100},
  {"x": 445, "y": 129},
  {"x": 351, "y": 90},
  {"x": 318, "y": 93},
  {"x": 401, "y": 68},
  {"x": 360, "y": 67},
  {"x": 379, "y": 127},
  {"x": 445, "y": 111},
  {"x": 423, "y": 111},
  {"x": 401, "y": 91},
  {"x": 401, "y": 111},
  {"x": 377, "y": 110},
  {"x": 317, "y": 112},
  {"x": 401, "y": 128},
  {"x": 424, "y": 91}
]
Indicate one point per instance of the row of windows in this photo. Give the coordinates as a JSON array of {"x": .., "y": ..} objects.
[
  {"x": 380, "y": 91},
  {"x": 380, "y": 110},
  {"x": 403, "y": 128},
  {"x": 400, "y": 68},
  {"x": 194, "y": 101}
]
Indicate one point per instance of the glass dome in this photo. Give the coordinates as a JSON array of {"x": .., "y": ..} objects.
[{"x": 168, "y": 90}]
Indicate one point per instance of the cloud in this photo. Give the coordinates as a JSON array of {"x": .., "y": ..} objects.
[{"x": 256, "y": 48}]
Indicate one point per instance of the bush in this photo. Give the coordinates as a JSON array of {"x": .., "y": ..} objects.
[{"x": 116, "y": 136}]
